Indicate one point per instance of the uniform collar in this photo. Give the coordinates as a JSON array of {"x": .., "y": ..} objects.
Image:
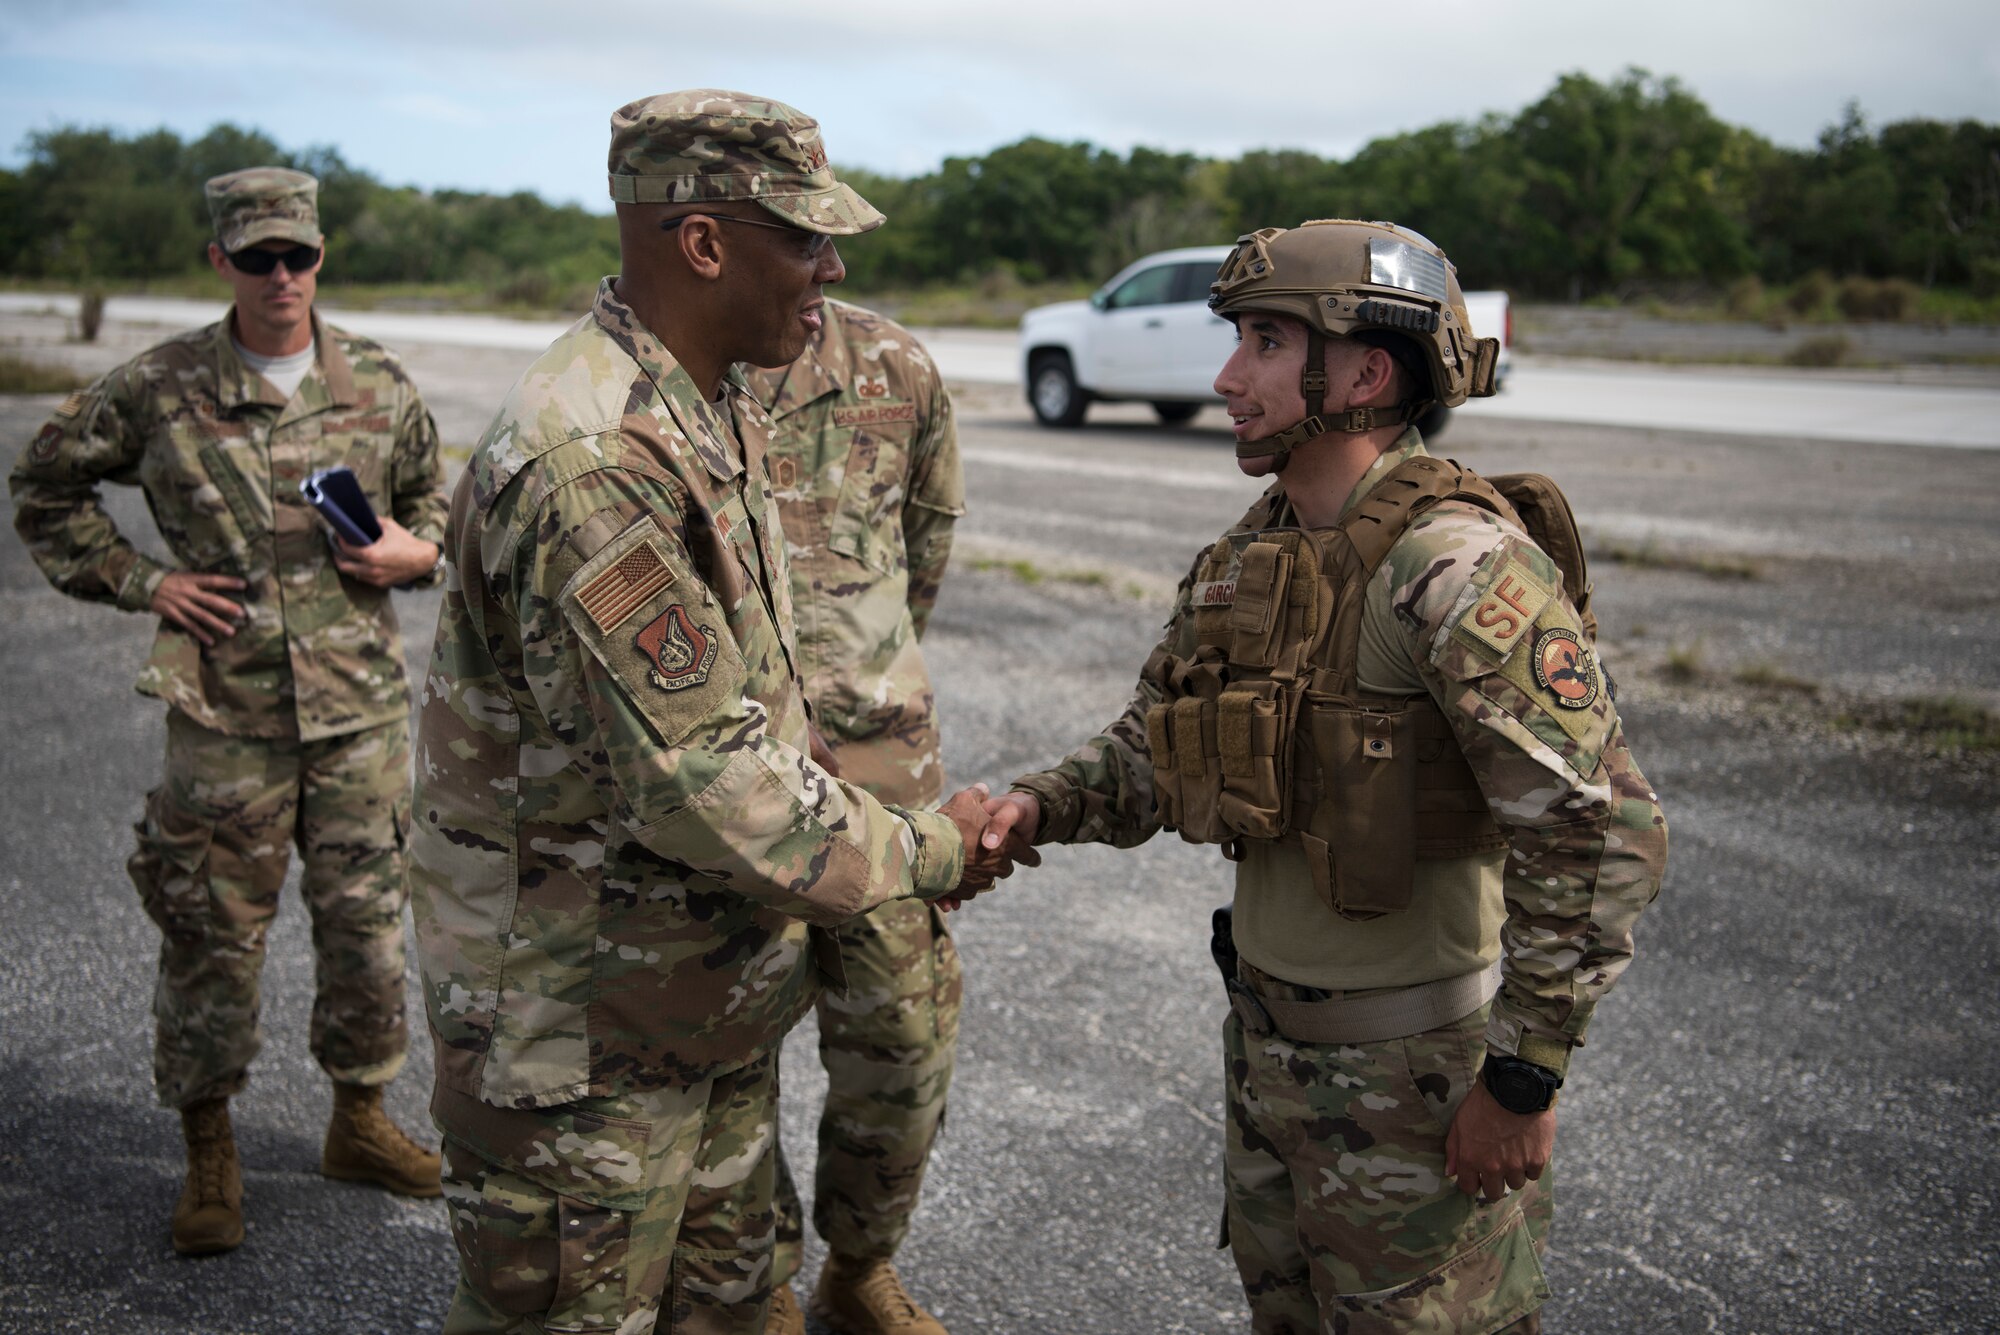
[
  {"x": 706, "y": 425},
  {"x": 328, "y": 384},
  {"x": 824, "y": 368},
  {"x": 1408, "y": 446}
]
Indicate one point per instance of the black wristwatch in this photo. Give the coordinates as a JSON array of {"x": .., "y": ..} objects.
[{"x": 1519, "y": 1086}]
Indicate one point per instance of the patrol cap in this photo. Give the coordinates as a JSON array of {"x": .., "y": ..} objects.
[
  {"x": 709, "y": 144},
  {"x": 262, "y": 204}
]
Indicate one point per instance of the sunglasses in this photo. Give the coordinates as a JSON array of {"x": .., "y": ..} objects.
[
  {"x": 257, "y": 262},
  {"x": 815, "y": 247}
]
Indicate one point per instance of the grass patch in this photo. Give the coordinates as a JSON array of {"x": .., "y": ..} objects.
[
  {"x": 1684, "y": 662},
  {"x": 21, "y": 376},
  {"x": 1031, "y": 574},
  {"x": 1941, "y": 722},
  {"x": 1648, "y": 557},
  {"x": 1771, "y": 677}
]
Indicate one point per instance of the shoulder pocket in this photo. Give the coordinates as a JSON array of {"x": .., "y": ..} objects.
[{"x": 657, "y": 630}]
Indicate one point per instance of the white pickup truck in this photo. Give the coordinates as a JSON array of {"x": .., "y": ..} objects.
[{"x": 1148, "y": 336}]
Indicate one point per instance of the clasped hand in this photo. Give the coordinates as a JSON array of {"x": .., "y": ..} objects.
[{"x": 994, "y": 844}]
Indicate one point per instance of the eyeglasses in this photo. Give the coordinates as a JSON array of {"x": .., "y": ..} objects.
[
  {"x": 257, "y": 262},
  {"x": 815, "y": 247}
]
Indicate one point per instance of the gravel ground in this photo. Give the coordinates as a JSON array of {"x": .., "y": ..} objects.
[{"x": 1784, "y": 1120}]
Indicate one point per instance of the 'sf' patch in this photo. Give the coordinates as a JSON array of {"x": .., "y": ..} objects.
[{"x": 1502, "y": 616}]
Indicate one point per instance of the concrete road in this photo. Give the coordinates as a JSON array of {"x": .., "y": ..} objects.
[
  {"x": 1784, "y": 1120},
  {"x": 1826, "y": 405}
]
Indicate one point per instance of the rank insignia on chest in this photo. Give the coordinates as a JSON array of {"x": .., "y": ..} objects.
[
  {"x": 1565, "y": 669},
  {"x": 681, "y": 653},
  {"x": 874, "y": 414}
]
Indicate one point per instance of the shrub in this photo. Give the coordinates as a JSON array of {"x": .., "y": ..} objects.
[
  {"x": 1810, "y": 293},
  {"x": 1871, "y": 299},
  {"x": 1745, "y": 298},
  {"x": 1986, "y": 277},
  {"x": 1821, "y": 350}
]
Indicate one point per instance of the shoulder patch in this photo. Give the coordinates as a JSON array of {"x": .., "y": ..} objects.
[
  {"x": 623, "y": 587},
  {"x": 1559, "y": 673},
  {"x": 664, "y": 642},
  {"x": 1500, "y": 618},
  {"x": 680, "y": 652}
]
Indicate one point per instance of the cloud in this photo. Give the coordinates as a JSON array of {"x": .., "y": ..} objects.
[{"x": 900, "y": 84}]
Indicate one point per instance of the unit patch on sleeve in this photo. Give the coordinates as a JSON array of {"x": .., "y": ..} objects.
[
  {"x": 1500, "y": 618},
  {"x": 624, "y": 586},
  {"x": 680, "y": 652},
  {"x": 1565, "y": 669}
]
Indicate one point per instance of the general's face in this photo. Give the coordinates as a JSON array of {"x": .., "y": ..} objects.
[
  {"x": 779, "y": 290},
  {"x": 281, "y": 298},
  {"x": 1259, "y": 384}
]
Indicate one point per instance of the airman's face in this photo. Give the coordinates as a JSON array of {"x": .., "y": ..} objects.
[
  {"x": 1259, "y": 384},
  {"x": 779, "y": 296},
  {"x": 276, "y": 302}
]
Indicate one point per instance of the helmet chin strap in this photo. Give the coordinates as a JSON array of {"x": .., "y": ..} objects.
[{"x": 1312, "y": 383}]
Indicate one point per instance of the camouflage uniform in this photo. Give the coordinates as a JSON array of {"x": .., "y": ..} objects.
[
  {"x": 1339, "y": 1212},
  {"x": 293, "y": 730},
  {"x": 864, "y": 463},
  {"x": 620, "y": 837}
]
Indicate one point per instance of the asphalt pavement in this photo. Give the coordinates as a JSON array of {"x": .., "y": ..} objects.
[{"x": 1784, "y": 1120}]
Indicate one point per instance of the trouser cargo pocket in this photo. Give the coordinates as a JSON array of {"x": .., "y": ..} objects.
[
  {"x": 1491, "y": 1284},
  {"x": 170, "y": 867},
  {"x": 541, "y": 1208}
]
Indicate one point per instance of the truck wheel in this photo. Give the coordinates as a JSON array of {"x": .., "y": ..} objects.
[
  {"x": 1053, "y": 392},
  {"x": 1176, "y": 414}
]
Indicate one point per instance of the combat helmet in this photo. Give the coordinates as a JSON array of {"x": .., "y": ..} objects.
[{"x": 1374, "y": 281}]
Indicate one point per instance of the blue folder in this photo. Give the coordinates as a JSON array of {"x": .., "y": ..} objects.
[{"x": 336, "y": 493}]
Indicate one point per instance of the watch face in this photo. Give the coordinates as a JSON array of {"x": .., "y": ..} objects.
[{"x": 1517, "y": 1090}]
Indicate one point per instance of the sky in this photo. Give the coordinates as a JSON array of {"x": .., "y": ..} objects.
[{"x": 509, "y": 95}]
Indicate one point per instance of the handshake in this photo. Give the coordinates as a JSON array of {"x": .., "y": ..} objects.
[{"x": 997, "y": 833}]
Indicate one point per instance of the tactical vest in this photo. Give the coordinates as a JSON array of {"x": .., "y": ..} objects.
[{"x": 1265, "y": 733}]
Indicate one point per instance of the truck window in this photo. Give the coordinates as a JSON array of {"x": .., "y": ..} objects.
[
  {"x": 1191, "y": 281},
  {"x": 1148, "y": 287}
]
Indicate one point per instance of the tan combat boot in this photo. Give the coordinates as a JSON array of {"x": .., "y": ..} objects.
[
  {"x": 363, "y": 1145},
  {"x": 783, "y": 1317},
  {"x": 865, "y": 1297},
  {"x": 209, "y": 1216}
]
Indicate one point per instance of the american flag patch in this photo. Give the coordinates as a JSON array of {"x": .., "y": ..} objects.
[{"x": 623, "y": 587}]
